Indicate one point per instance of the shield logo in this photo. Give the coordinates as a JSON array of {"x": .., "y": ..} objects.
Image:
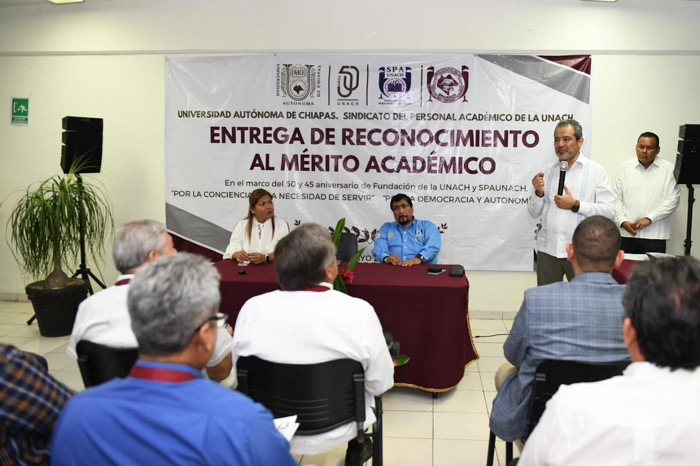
[
  {"x": 394, "y": 81},
  {"x": 298, "y": 81}
]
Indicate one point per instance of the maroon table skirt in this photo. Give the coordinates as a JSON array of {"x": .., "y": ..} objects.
[
  {"x": 622, "y": 273},
  {"x": 427, "y": 315}
]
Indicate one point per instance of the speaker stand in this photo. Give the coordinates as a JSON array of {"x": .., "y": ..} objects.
[
  {"x": 689, "y": 230},
  {"x": 83, "y": 271}
]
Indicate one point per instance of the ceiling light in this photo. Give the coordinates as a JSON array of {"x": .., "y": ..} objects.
[{"x": 61, "y": 2}]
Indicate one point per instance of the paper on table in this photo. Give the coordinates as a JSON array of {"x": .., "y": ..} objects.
[
  {"x": 659, "y": 255},
  {"x": 287, "y": 426},
  {"x": 636, "y": 257}
]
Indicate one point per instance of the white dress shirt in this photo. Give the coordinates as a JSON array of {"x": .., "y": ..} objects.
[
  {"x": 262, "y": 239},
  {"x": 307, "y": 327},
  {"x": 648, "y": 416},
  {"x": 589, "y": 184},
  {"x": 651, "y": 193},
  {"x": 104, "y": 318}
]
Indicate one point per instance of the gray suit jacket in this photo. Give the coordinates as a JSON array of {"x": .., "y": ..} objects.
[{"x": 578, "y": 321}]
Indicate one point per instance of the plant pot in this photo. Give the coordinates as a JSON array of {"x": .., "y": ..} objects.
[{"x": 55, "y": 308}]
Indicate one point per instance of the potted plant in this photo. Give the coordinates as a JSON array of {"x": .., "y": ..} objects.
[
  {"x": 45, "y": 226},
  {"x": 346, "y": 276}
]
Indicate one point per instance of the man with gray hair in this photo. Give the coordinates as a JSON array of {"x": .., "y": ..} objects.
[
  {"x": 307, "y": 322},
  {"x": 103, "y": 317},
  {"x": 165, "y": 412},
  {"x": 586, "y": 192}
]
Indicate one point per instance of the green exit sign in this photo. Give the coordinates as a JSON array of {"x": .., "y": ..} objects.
[{"x": 20, "y": 111}]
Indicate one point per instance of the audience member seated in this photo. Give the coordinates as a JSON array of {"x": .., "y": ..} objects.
[
  {"x": 308, "y": 322},
  {"x": 651, "y": 413},
  {"x": 579, "y": 320},
  {"x": 30, "y": 402},
  {"x": 407, "y": 241},
  {"x": 254, "y": 238},
  {"x": 103, "y": 317},
  {"x": 165, "y": 412}
]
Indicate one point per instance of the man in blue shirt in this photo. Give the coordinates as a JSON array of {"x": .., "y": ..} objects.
[
  {"x": 407, "y": 241},
  {"x": 165, "y": 412}
]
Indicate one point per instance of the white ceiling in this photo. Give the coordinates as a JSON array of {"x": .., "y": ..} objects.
[{"x": 7, "y": 3}]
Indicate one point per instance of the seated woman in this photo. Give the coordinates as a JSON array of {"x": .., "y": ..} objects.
[{"x": 254, "y": 238}]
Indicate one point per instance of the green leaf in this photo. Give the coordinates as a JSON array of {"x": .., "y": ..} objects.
[
  {"x": 355, "y": 259},
  {"x": 402, "y": 359},
  {"x": 338, "y": 231},
  {"x": 339, "y": 285}
]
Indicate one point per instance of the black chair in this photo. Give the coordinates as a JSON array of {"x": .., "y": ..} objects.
[
  {"x": 550, "y": 374},
  {"x": 42, "y": 360},
  {"x": 347, "y": 247},
  {"x": 323, "y": 396},
  {"x": 100, "y": 363}
]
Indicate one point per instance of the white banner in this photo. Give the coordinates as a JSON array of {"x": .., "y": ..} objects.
[{"x": 336, "y": 135}]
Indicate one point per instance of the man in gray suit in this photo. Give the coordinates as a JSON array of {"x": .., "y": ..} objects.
[
  {"x": 580, "y": 320},
  {"x": 648, "y": 415}
]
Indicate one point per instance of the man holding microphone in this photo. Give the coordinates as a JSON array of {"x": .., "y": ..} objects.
[{"x": 565, "y": 193}]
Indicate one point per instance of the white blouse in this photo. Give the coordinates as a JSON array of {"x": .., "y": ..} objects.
[{"x": 261, "y": 240}]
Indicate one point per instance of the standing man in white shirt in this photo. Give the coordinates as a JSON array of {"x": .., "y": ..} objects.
[
  {"x": 651, "y": 413},
  {"x": 586, "y": 192},
  {"x": 646, "y": 195}
]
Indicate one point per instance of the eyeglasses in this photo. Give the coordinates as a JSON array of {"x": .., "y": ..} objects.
[{"x": 219, "y": 317}]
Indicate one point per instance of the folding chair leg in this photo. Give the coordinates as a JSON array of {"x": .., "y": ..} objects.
[
  {"x": 378, "y": 434},
  {"x": 509, "y": 452},
  {"x": 492, "y": 449}
]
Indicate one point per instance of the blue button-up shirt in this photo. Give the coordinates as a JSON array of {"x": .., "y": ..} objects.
[
  {"x": 421, "y": 237},
  {"x": 139, "y": 421}
]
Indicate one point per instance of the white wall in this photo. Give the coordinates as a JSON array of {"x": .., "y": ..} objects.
[{"x": 105, "y": 58}]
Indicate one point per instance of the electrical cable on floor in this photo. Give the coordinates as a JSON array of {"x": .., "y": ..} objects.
[{"x": 494, "y": 335}]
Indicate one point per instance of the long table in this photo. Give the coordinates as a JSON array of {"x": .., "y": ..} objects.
[
  {"x": 427, "y": 315},
  {"x": 622, "y": 273}
]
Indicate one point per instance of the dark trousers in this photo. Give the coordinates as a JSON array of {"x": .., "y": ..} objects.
[
  {"x": 551, "y": 269},
  {"x": 642, "y": 246}
]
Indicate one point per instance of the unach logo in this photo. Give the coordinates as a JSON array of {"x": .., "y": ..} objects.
[
  {"x": 298, "y": 81},
  {"x": 348, "y": 80}
]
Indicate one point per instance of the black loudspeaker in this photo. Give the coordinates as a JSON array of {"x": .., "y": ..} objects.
[
  {"x": 687, "y": 169},
  {"x": 82, "y": 137}
]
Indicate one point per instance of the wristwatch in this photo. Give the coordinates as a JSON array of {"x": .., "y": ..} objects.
[
  {"x": 420, "y": 258},
  {"x": 575, "y": 208},
  {"x": 267, "y": 258}
]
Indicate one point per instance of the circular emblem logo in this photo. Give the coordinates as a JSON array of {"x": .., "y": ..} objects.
[{"x": 447, "y": 85}]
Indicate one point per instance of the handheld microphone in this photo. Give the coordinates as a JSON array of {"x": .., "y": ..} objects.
[{"x": 562, "y": 176}]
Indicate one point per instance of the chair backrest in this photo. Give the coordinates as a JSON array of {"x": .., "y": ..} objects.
[
  {"x": 323, "y": 396},
  {"x": 551, "y": 374},
  {"x": 100, "y": 363},
  {"x": 347, "y": 246}
]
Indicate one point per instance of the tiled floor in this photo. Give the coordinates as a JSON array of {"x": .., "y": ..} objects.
[{"x": 451, "y": 430}]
